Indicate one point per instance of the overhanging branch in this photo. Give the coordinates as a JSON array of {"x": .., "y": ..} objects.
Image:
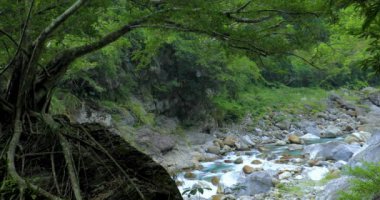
[
  {"x": 304, "y": 59},
  {"x": 215, "y": 34},
  {"x": 59, "y": 64},
  {"x": 58, "y": 21},
  {"x": 249, "y": 20}
]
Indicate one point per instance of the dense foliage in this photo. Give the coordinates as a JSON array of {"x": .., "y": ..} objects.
[
  {"x": 194, "y": 76},
  {"x": 365, "y": 183}
]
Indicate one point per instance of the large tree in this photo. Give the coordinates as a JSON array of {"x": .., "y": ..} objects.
[{"x": 40, "y": 39}]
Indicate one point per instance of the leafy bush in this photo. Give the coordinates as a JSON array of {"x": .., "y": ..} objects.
[
  {"x": 365, "y": 184},
  {"x": 196, "y": 190}
]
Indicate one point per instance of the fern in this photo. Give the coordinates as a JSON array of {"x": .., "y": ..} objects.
[{"x": 365, "y": 183}]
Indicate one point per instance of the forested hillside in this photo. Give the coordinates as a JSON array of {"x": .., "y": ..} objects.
[
  {"x": 86, "y": 86},
  {"x": 194, "y": 75}
]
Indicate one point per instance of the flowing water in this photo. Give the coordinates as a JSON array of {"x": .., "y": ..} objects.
[{"x": 229, "y": 173}]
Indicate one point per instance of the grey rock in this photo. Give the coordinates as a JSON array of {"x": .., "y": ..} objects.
[
  {"x": 331, "y": 191},
  {"x": 374, "y": 139},
  {"x": 213, "y": 149},
  {"x": 329, "y": 151},
  {"x": 358, "y": 137},
  {"x": 179, "y": 159},
  {"x": 340, "y": 164},
  {"x": 150, "y": 139},
  {"x": 331, "y": 132},
  {"x": 256, "y": 183},
  {"x": 198, "y": 138},
  {"x": 246, "y": 140},
  {"x": 238, "y": 160},
  {"x": 283, "y": 125},
  {"x": 88, "y": 115},
  {"x": 168, "y": 124},
  {"x": 339, "y": 101},
  {"x": 313, "y": 130},
  {"x": 127, "y": 119},
  {"x": 368, "y": 154},
  {"x": 374, "y": 97}
]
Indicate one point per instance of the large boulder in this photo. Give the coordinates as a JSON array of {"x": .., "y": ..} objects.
[
  {"x": 374, "y": 97},
  {"x": 213, "y": 149},
  {"x": 374, "y": 139},
  {"x": 87, "y": 115},
  {"x": 149, "y": 139},
  {"x": 198, "y": 138},
  {"x": 256, "y": 183},
  {"x": 357, "y": 137},
  {"x": 340, "y": 102},
  {"x": 283, "y": 125},
  {"x": 313, "y": 130},
  {"x": 230, "y": 140},
  {"x": 368, "y": 154},
  {"x": 294, "y": 139},
  {"x": 151, "y": 178},
  {"x": 331, "y": 190},
  {"x": 330, "y": 151},
  {"x": 331, "y": 132},
  {"x": 246, "y": 140}
]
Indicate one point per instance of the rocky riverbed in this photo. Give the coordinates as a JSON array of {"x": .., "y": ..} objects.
[
  {"x": 294, "y": 158},
  {"x": 297, "y": 155}
]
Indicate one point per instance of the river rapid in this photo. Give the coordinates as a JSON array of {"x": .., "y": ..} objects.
[{"x": 223, "y": 174}]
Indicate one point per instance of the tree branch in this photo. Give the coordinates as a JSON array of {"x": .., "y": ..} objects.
[
  {"x": 282, "y": 12},
  {"x": 220, "y": 36},
  {"x": 303, "y": 59},
  {"x": 241, "y": 8},
  {"x": 59, "y": 65},
  {"x": 248, "y": 20},
  {"x": 58, "y": 21}
]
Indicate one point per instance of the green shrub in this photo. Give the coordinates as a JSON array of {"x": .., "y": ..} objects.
[{"x": 365, "y": 184}]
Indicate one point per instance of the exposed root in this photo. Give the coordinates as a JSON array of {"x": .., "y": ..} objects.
[
  {"x": 70, "y": 167},
  {"x": 90, "y": 163},
  {"x": 17, "y": 131},
  {"x": 54, "y": 172}
]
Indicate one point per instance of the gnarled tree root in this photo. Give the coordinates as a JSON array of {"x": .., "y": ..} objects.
[
  {"x": 17, "y": 131},
  {"x": 90, "y": 163}
]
